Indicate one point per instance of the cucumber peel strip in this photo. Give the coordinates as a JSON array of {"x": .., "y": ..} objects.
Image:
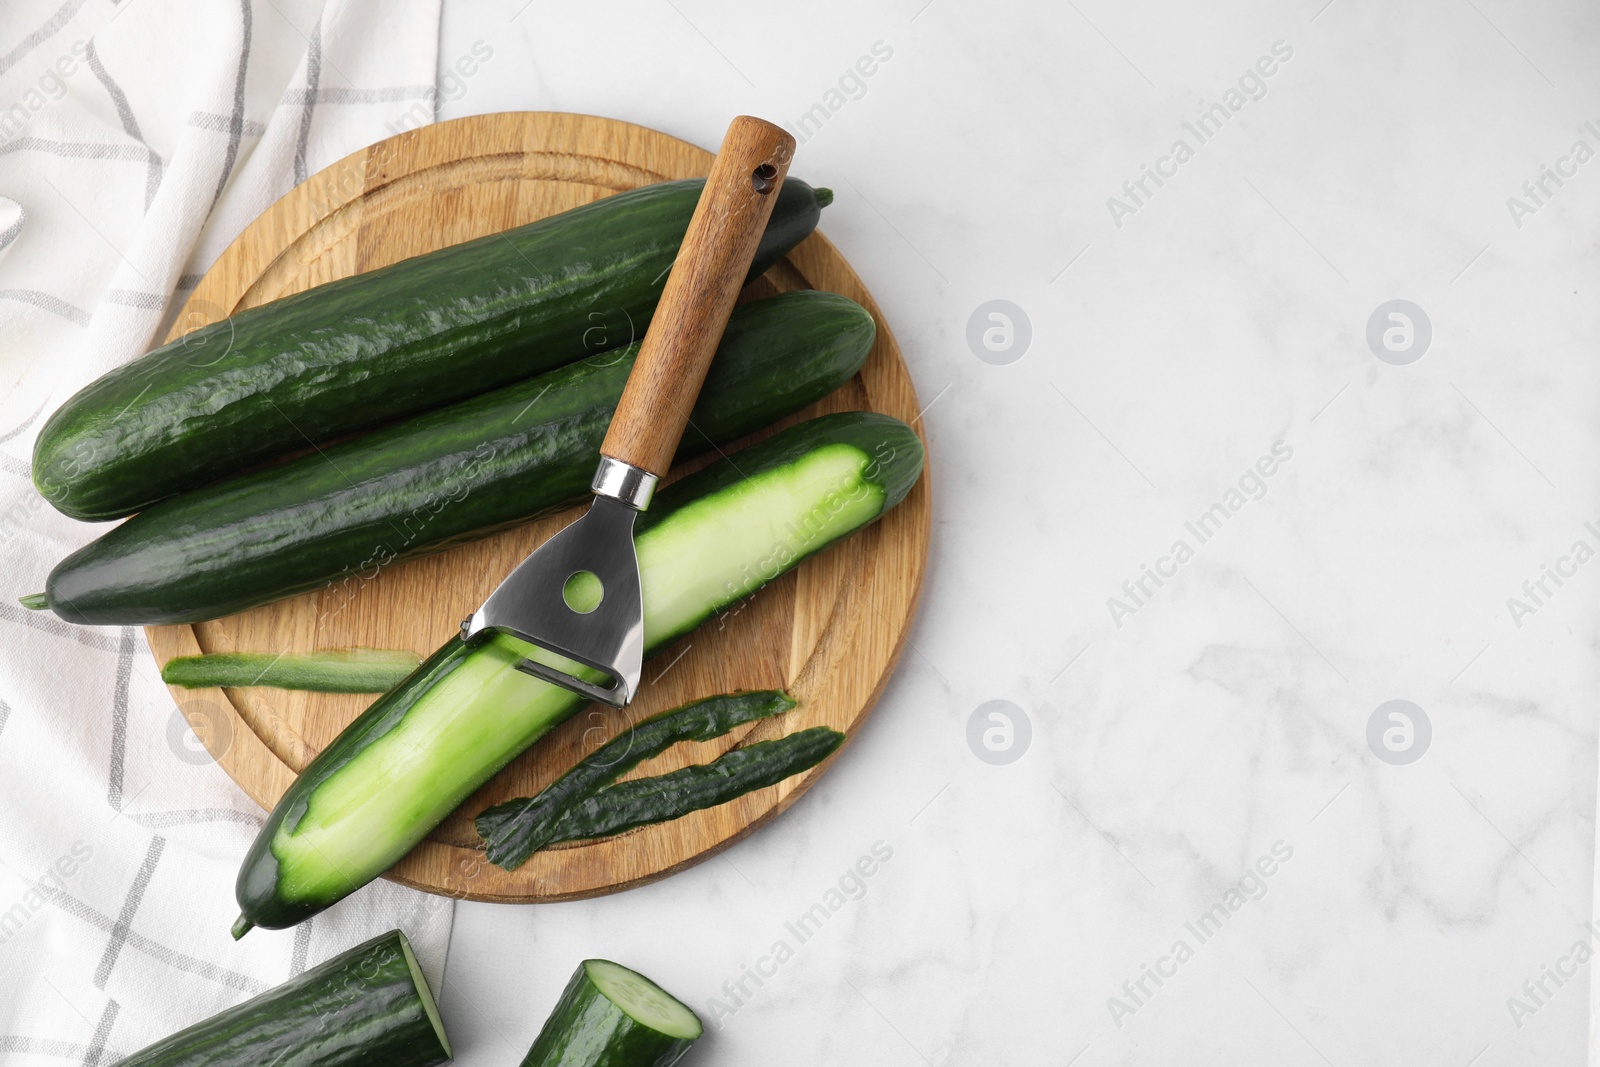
[
  {"x": 518, "y": 828},
  {"x": 644, "y": 801},
  {"x": 355, "y": 670}
]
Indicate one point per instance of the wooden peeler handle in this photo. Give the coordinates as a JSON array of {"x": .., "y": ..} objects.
[{"x": 705, "y": 281}]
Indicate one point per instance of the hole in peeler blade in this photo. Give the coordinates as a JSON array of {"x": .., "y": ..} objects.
[{"x": 582, "y": 592}]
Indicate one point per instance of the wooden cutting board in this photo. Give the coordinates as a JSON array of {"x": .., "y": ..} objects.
[{"x": 829, "y": 632}]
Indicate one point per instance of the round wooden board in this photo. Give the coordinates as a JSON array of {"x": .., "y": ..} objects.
[{"x": 829, "y": 632}]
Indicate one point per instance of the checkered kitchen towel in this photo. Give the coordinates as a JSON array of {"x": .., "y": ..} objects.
[{"x": 136, "y": 139}]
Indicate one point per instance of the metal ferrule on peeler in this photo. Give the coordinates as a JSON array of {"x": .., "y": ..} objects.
[{"x": 634, "y": 486}]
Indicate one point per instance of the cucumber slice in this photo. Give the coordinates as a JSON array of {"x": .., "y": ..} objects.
[
  {"x": 420, "y": 750},
  {"x": 517, "y": 828},
  {"x": 355, "y": 670},
  {"x": 369, "y": 1005},
  {"x": 610, "y": 1016}
]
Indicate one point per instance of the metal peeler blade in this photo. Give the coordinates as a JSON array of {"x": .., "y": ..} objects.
[{"x": 531, "y": 603}]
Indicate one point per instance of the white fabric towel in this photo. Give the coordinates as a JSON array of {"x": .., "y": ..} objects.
[{"x": 137, "y": 138}]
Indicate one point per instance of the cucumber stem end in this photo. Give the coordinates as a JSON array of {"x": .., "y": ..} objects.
[
  {"x": 824, "y": 197},
  {"x": 34, "y": 601},
  {"x": 242, "y": 926}
]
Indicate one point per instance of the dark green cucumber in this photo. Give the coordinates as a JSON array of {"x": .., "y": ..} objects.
[
  {"x": 340, "y": 514},
  {"x": 610, "y": 1016},
  {"x": 643, "y": 801},
  {"x": 378, "y": 346},
  {"x": 707, "y": 541},
  {"x": 366, "y": 1007},
  {"x": 354, "y": 670},
  {"x": 518, "y": 828}
]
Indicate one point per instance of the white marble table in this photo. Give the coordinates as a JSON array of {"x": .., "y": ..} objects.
[{"x": 1197, "y": 856}]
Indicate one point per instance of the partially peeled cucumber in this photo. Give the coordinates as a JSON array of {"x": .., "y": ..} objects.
[{"x": 707, "y": 542}]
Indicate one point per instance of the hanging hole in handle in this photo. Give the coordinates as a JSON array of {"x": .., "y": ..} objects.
[{"x": 764, "y": 178}]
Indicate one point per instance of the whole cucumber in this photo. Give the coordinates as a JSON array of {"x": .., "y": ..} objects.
[
  {"x": 378, "y": 346},
  {"x": 341, "y": 514}
]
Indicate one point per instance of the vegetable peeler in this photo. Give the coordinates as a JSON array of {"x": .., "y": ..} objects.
[{"x": 578, "y": 595}]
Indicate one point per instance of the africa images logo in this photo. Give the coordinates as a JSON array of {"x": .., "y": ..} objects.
[
  {"x": 1211, "y": 120},
  {"x": 1252, "y": 485}
]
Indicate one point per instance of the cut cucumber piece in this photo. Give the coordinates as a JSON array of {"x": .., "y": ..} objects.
[
  {"x": 610, "y": 1016},
  {"x": 355, "y": 670},
  {"x": 642, "y": 1000},
  {"x": 420, "y": 750},
  {"x": 369, "y": 1005},
  {"x": 343, "y": 512},
  {"x": 429, "y": 1005},
  {"x": 375, "y": 347},
  {"x": 517, "y": 828}
]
